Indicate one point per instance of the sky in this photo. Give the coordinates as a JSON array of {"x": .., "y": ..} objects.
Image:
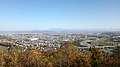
[{"x": 59, "y": 14}]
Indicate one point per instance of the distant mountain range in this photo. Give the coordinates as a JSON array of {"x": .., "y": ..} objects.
[
  {"x": 84, "y": 30},
  {"x": 66, "y": 30}
]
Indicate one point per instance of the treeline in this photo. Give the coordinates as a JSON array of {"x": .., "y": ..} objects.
[{"x": 65, "y": 56}]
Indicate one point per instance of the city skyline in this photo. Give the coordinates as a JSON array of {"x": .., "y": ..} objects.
[{"x": 20, "y": 15}]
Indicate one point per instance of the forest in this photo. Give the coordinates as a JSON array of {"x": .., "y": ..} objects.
[{"x": 65, "y": 56}]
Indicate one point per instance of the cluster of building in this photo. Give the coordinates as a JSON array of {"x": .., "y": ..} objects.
[
  {"x": 47, "y": 41},
  {"x": 44, "y": 41}
]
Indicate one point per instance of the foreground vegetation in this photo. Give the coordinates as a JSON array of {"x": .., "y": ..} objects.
[{"x": 65, "y": 56}]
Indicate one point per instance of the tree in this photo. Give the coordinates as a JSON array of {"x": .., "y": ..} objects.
[
  {"x": 116, "y": 56},
  {"x": 95, "y": 57}
]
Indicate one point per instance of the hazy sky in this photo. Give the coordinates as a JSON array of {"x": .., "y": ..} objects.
[{"x": 59, "y": 14}]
